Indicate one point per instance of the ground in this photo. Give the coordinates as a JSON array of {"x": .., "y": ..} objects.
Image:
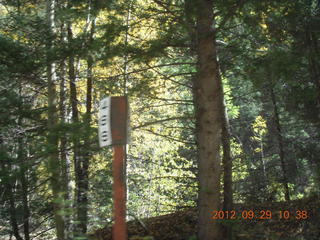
[{"x": 302, "y": 224}]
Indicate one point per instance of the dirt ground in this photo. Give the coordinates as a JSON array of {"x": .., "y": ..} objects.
[{"x": 303, "y": 223}]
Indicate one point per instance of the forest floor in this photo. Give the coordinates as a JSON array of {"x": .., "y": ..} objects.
[{"x": 181, "y": 225}]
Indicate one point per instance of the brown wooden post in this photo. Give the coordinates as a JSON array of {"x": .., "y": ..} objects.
[
  {"x": 119, "y": 118},
  {"x": 113, "y": 130},
  {"x": 119, "y": 193}
]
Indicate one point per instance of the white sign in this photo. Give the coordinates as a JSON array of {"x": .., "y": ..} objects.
[{"x": 105, "y": 137}]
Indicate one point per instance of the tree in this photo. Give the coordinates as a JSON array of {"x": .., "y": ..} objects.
[
  {"x": 207, "y": 91},
  {"x": 54, "y": 166}
]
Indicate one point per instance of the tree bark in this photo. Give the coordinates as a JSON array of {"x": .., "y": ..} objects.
[
  {"x": 227, "y": 161},
  {"x": 53, "y": 166},
  {"x": 227, "y": 168},
  {"x": 207, "y": 91},
  {"x": 5, "y": 170},
  {"x": 13, "y": 214},
  {"x": 23, "y": 175},
  {"x": 64, "y": 158},
  {"x": 25, "y": 202},
  {"x": 81, "y": 157},
  {"x": 81, "y": 223},
  {"x": 24, "y": 188},
  {"x": 84, "y": 181},
  {"x": 281, "y": 145},
  {"x": 125, "y": 90}
]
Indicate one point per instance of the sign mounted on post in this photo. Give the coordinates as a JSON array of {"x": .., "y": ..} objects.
[
  {"x": 113, "y": 121},
  {"x": 113, "y": 130}
]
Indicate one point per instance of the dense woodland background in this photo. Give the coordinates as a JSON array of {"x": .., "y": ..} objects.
[{"x": 58, "y": 58}]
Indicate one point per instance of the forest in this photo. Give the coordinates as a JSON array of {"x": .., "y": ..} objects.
[{"x": 224, "y": 130}]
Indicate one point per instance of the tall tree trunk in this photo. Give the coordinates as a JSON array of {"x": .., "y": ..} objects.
[
  {"x": 81, "y": 154},
  {"x": 8, "y": 190},
  {"x": 13, "y": 213},
  {"x": 313, "y": 52},
  {"x": 314, "y": 63},
  {"x": 23, "y": 175},
  {"x": 207, "y": 90},
  {"x": 312, "y": 36},
  {"x": 227, "y": 160},
  {"x": 281, "y": 145},
  {"x": 84, "y": 182},
  {"x": 80, "y": 224},
  {"x": 227, "y": 168},
  {"x": 25, "y": 203},
  {"x": 64, "y": 158},
  {"x": 24, "y": 187},
  {"x": 54, "y": 167},
  {"x": 125, "y": 90},
  {"x": 314, "y": 66}
]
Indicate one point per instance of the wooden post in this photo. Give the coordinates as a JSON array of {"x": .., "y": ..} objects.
[
  {"x": 119, "y": 229},
  {"x": 119, "y": 115},
  {"x": 113, "y": 130}
]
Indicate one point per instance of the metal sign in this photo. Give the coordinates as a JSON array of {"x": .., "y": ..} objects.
[
  {"x": 105, "y": 137},
  {"x": 119, "y": 120},
  {"x": 113, "y": 121}
]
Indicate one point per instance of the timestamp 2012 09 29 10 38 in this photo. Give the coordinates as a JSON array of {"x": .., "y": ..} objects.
[{"x": 260, "y": 215}]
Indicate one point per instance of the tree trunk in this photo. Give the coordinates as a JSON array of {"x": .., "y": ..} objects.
[
  {"x": 281, "y": 148},
  {"x": 23, "y": 165},
  {"x": 25, "y": 203},
  {"x": 81, "y": 223},
  {"x": 13, "y": 213},
  {"x": 207, "y": 91},
  {"x": 24, "y": 188},
  {"x": 64, "y": 158},
  {"x": 6, "y": 170},
  {"x": 227, "y": 169},
  {"x": 227, "y": 161},
  {"x": 23, "y": 174},
  {"x": 125, "y": 90},
  {"x": 84, "y": 181},
  {"x": 53, "y": 158}
]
